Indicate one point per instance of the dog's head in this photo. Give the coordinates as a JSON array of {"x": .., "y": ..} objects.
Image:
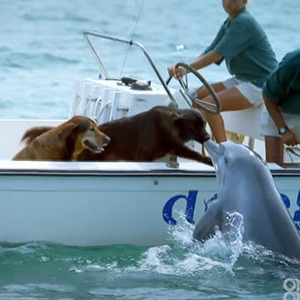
[
  {"x": 91, "y": 137},
  {"x": 191, "y": 126},
  {"x": 85, "y": 134}
]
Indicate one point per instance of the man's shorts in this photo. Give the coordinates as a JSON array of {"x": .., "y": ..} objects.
[
  {"x": 249, "y": 90},
  {"x": 268, "y": 126}
]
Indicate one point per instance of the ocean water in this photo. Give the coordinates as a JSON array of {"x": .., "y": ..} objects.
[
  {"x": 43, "y": 54},
  {"x": 222, "y": 268}
]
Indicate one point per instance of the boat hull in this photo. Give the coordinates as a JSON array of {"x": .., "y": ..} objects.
[{"x": 88, "y": 204}]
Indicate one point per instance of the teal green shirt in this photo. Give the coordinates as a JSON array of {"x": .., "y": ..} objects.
[
  {"x": 246, "y": 49},
  {"x": 283, "y": 86}
]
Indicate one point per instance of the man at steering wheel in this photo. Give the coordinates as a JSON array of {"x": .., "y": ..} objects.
[{"x": 243, "y": 44}]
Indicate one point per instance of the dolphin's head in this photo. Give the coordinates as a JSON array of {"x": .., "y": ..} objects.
[
  {"x": 228, "y": 154},
  {"x": 239, "y": 170}
]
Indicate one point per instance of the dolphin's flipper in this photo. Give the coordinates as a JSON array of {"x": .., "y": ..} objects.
[{"x": 213, "y": 218}]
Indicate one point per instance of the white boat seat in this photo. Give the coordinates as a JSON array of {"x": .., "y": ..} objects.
[{"x": 245, "y": 122}]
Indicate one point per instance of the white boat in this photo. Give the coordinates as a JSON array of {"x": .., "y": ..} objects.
[{"x": 109, "y": 203}]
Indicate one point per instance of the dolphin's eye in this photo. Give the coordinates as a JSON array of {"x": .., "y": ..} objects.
[{"x": 221, "y": 149}]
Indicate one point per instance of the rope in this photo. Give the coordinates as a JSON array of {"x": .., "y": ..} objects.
[
  {"x": 293, "y": 151},
  {"x": 132, "y": 34}
]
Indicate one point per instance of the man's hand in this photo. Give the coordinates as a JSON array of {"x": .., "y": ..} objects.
[
  {"x": 178, "y": 72},
  {"x": 290, "y": 138}
]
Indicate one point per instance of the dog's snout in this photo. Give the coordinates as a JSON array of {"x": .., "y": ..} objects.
[
  {"x": 106, "y": 140},
  {"x": 206, "y": 137}
]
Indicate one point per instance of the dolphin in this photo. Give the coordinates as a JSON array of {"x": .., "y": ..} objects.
[{"x": 245, "y": 186}]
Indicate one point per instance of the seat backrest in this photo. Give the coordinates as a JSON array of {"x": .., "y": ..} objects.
[{"x": 245, "y": 122}]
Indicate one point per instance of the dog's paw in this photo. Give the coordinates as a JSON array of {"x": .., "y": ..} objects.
[
  {"x": 207, "y": 160},
  {"x": 173, "y": 164}
]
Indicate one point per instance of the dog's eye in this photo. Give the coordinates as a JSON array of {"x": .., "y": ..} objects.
[{"x": 92, "y": 129}]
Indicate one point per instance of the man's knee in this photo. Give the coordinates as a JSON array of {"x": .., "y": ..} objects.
[{"x": 202, "y": 93}]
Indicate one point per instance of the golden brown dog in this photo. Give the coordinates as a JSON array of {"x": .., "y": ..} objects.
[
  {"x": 148, "y": 136},
  {"x": 64, "y": 142}
]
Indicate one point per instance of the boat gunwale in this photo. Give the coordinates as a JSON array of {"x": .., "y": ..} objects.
[
  {"x": 110, "y": 173},
  {"x": 129, "y": 173}
]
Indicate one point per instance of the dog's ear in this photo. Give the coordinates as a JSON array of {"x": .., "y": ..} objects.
[
  {"x": 67, "y": 131},
  {"x": 180, "y": 124},
  {"x": 74, "y": 128},
  {"x": 83, "y": 125}
]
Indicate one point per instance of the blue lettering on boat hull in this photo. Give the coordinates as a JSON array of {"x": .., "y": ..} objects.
[
  {"x": 191, "y": 199},
  {"x": 189, "y": 211}
]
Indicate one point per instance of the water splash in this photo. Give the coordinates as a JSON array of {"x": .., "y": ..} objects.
[{"x": 186, "y": 256}]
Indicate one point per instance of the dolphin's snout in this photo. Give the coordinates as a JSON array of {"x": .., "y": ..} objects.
[{"x": 214, "y": 149}]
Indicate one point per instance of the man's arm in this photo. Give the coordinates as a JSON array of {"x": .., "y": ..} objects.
[
  {"x": 206, "y": 59},
  {"x": 289, "y": 138},
  {"x": 200, "y": 62}
]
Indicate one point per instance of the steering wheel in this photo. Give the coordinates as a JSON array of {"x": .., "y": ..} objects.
[{"x": 214, "y": 107}]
